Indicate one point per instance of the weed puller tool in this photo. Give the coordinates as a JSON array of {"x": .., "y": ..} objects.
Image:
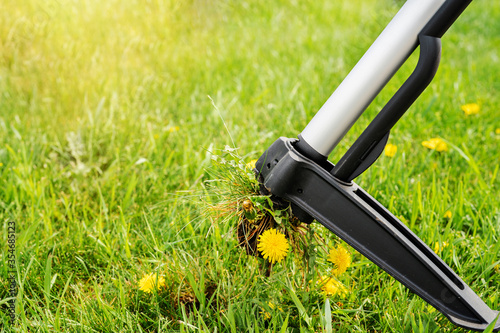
[{"x": 297, "y": 170}]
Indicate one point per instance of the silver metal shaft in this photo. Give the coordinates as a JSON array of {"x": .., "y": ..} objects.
[{"x": 372, "y": 72}]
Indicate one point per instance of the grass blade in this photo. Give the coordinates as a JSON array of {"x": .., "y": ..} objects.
[
  {"x": 47, "y": 279},
  {"x": 300, "y": 306},
  {"x": 328, "y": 316},
  {"x": 491, "y": 326}
]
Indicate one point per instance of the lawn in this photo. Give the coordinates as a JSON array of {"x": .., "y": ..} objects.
[{"x": 111, "y": 115}]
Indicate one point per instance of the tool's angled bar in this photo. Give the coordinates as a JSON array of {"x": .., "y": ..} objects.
[
  {"x": 370, "y": 144},
  {"x": 372, "y": 72},
  {"x": 366, "y": 225}
]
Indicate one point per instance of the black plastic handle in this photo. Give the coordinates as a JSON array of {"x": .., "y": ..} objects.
[
  {"x": 368, "y": 147},
  {"x": 444, "y": 18},
  {"x": 371, "y": 143}
]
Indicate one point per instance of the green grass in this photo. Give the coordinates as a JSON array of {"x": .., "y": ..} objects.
[{"x": 106, "y": 129}]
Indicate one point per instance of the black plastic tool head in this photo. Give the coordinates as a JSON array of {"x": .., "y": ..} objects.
[{"x": 366, "y": 225}]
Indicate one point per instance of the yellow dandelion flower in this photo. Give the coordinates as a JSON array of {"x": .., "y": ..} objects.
[
  {"x": 447, "y": 215},
  {"x": 471, "y": 108},
  {"x": 438, "y": 248},
  {"x": 266, "y": 314},
  {"x": 251, "y": 164},
  {"x": 273, "y": 245},
  {"x": 436, "y": 144},
  {"x": 332, "y": 287},
  {"x": 497, "y": 131},
  {"x": 390, "y": 150},
  {"x": 272, "y": 306},
  {"x": 150, "y": 281},
  {"x": 340, "y": 258},
  {"x": 172, "y": 129}
]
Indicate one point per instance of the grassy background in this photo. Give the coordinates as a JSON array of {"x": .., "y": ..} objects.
[{"x": 105, "y": 128}]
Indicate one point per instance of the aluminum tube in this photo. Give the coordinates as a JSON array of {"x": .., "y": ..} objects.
[{"x": 372, "y": 72}]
